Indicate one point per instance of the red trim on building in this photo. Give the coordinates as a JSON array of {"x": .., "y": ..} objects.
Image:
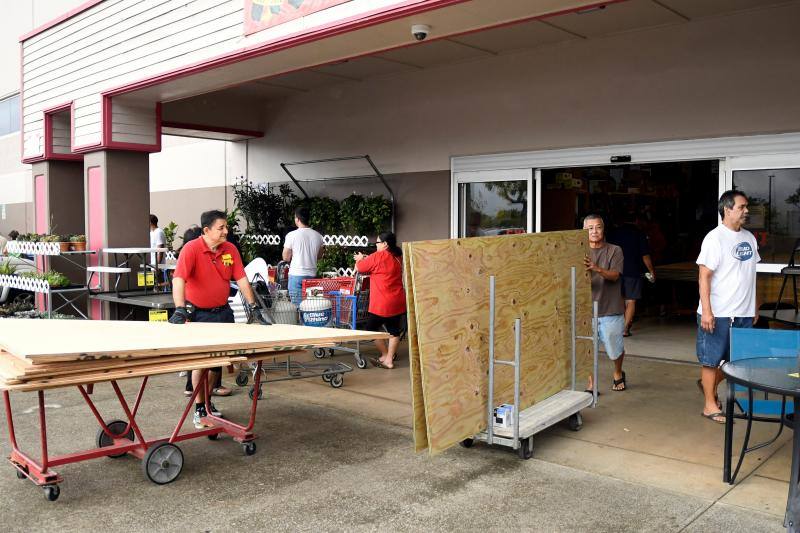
[
  {"x": 216, "y": 129},
  {"x": 49, "y": 153},
  {"x": 58, "y": 20},
  {"x": 108, "y": 142},
  {"x": 341, "y": 26},
  {"x": 338, "y": 27}
]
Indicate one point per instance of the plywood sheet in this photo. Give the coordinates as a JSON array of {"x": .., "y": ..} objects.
[
  {"x": 450, "y": 285},
  {"x": 417, "y": 401},
  {"x": 43, "y": 341}
]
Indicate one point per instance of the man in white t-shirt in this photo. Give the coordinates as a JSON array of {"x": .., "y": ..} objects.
[
  {"x": 727, "y": 264},
  {"x": 157, "y": 240},
  {"x": 302, "y": 248}
]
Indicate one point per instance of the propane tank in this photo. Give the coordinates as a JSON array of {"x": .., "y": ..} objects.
[
  {"x": 315, "y": 310},
  {"x": 284, "y": 311}
]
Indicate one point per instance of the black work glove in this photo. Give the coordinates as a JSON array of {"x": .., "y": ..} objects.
[
  {"x": 255, "y": 316},
  {"x": 180, "y": 316}
]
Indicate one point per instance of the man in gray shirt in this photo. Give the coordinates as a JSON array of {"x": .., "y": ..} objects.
[{"x": 605, "y": 262}]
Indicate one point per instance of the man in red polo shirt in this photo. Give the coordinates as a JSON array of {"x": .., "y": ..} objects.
[{"x": 202, "y": 278}]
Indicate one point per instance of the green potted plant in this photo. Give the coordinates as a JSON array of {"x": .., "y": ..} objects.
[
  {"x": 78, "y": 243},
  {"x": 7, "y": 268},
  {"x": 63, "y": 243},
  {"x": 169, "y": 234},
  {"x": 56, "y": 280}
]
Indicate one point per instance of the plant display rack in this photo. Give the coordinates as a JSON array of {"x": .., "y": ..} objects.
[
  {"x": 375, "y": 174},
  {"x": 46, "y": 250}
]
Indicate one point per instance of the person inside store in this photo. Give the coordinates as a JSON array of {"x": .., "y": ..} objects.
[
  {"x": 605, "y": 262},
  {"x": 157, "y": 240},
  {"x": 200, "y": 289},
  {"x": 636, "y": 250},
  {"x": 387, "y": 299},
  {"x": 727, "y": 280},
  {"x": 301, "y": 249}
]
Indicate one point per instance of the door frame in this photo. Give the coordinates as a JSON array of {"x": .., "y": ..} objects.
[
  {"x": 755, "y": 147},
  {"x": 484, "y": 176},
  {"x": 758, "y": 162}
]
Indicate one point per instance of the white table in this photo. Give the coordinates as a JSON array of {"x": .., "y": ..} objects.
[{"x": 128, "y": 253}]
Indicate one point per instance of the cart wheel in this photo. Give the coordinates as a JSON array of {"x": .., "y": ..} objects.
[
  {"x": 361, "y": 363},
  {"x": 467, "y": 443},
  {"x": 525, "y": 450},
  {"x": 213, "y": 436},
  {"x": 252, "y": 393},
  {"x": 319, "y": 353},
  {"x": 331, "y": 352},
  {"x": 337, "y": 380},
  {"x": 162, "y": 463},
  {"x": 242, "y": 379},
  {"x": 327, "y": 378},
  {"x": 249, "y": 447},
  {"x": 116, "y": 427},
  {"x": 575, "y": 422},
  {"x": 20, "y": 473},
  {"x": 51, "y": 492}
]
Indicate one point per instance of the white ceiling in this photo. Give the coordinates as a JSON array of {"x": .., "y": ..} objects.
[
  {"x": 592, "y": 23},
  {"x": 629, "y": 15}
]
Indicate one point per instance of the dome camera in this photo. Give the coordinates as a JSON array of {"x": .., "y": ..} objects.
[{"x": 420, "y": 31}]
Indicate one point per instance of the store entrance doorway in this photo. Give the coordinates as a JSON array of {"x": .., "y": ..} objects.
[{"x": 674, "y": 204}]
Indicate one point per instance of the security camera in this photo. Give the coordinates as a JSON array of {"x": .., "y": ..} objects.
[{"x": 420, "y": 31}]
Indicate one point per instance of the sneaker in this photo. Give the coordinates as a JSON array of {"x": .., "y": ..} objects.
[
  {"x": 214, "y": 411},
  {"x": 199, "y": 415}
]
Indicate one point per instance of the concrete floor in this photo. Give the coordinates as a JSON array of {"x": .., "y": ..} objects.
[
  {"x": 671, "y": 338},
  {"x": 343, "y": 460}
]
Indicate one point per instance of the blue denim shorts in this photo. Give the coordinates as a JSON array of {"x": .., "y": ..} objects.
[
  {"x": 713, "y": 348},
  {"x": 610, "y": 330}
]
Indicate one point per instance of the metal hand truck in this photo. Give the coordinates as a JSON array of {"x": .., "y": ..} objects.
[{"x": 566, "y": 404}]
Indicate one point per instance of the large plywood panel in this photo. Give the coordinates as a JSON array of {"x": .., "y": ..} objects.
[
  {"x": 417, "y": 400},
  {"x": 450, "y": 285},
  {"x": 43, "y": 341}
]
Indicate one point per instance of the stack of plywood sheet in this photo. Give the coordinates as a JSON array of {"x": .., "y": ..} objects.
[
  {"x": 41, "y": 354},
  {"x": 447, "y": 289}
]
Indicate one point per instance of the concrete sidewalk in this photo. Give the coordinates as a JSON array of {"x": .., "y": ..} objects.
[{"x": 343, "y": 460}]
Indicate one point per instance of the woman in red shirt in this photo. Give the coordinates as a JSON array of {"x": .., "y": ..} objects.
[{"x": 387, "y": 299}]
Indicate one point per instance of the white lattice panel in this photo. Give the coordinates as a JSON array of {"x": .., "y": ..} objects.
[
  {"x": 24, "y": 283},
  {"x": 264, "y": 239},
  {"x": 33, "y": 248},
  {"x": 170, "y": 255},
  {"x": 350, "y": 241}
]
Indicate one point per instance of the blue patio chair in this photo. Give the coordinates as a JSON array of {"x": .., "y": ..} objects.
[{"x": 747, "y": 343}]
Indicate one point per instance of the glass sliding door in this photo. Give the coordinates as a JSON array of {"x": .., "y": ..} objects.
[
  {"x": 499, "y": 202},
  {"x": 772, "y": 185}
]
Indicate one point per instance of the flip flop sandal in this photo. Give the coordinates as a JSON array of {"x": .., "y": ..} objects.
[
  {"x": 618, "y": 382},
  {"x": 713, "y": 417},
  {"x": 379, "y": 364}
]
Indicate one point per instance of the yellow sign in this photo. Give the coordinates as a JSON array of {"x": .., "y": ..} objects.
[
  {"x": 157, "y": 315},
  {"x": 150, "y": 279}
]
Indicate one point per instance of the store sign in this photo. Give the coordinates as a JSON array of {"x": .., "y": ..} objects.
[{"x": 262, "y": 14}]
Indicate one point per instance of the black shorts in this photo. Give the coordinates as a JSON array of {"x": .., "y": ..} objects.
[
  {"x": 395, "y": 325},
  {"x": 632, "y": 288},
  {"x": 222, "y": 314}
]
